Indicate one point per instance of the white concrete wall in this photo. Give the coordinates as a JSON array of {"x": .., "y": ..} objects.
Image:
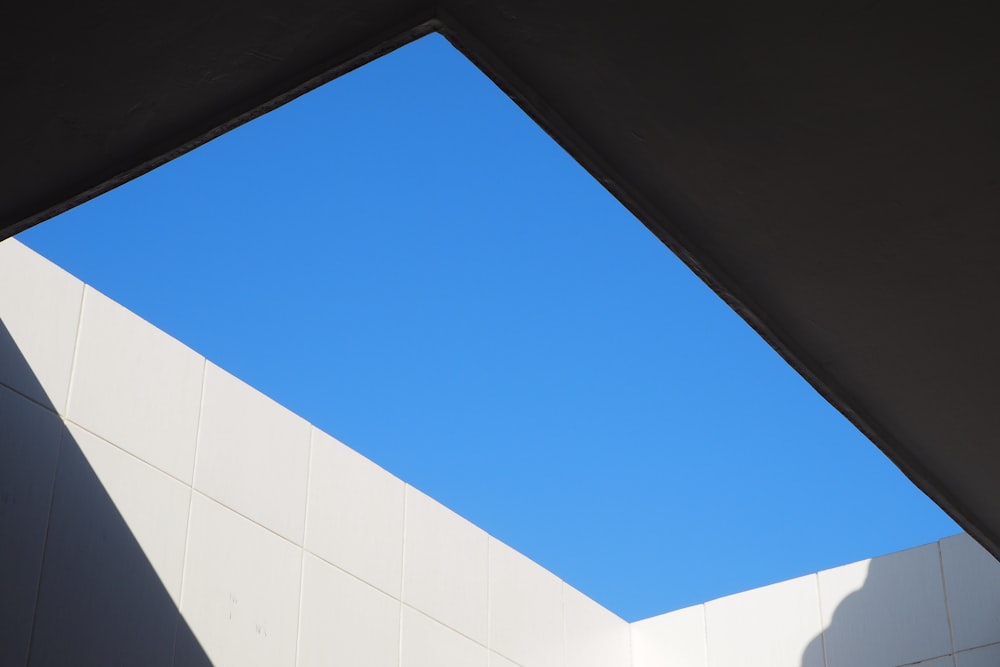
[
  {"x": 154, "y": 510},
  {"x": 937, "y": 605}
]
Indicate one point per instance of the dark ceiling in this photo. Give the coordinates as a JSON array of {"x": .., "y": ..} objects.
[{"x": 831, "y": 169}]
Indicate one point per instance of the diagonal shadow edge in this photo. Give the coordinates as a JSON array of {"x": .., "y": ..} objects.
[{"x": 76, "y": 584}]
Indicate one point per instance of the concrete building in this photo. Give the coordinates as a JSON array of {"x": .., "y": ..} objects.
[{"x": 154, "y": 510}]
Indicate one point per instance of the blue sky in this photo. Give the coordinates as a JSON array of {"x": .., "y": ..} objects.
[{"x": 403, "y": 258}]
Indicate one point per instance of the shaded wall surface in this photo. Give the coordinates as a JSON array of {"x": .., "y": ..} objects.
[{"x": 154, "y": 510}]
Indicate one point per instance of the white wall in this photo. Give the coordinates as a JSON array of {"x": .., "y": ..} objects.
[
  {"x": 168, "y": 514},
  {"x": 154, "y": 510},
  {"x": 936, "y": 605}
]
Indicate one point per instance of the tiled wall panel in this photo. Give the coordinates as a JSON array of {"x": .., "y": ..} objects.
[
  {"x": 136, "y": 387},
  {"x": 987, "y": 656},
  {"x": 497, "y": 660},
  {"x": 253, "y": 455},
  {"x": 30, "y": 437},
  {"x": 39, "y": 314},
  {"x": 943, "y": 661},
  {"x": 526, "y": 610},
  {"x": 152, "y": 504},
  {"x": 428, "y": 643},
  {"x": 355, "y": 514},
  {"x": 676, "y": 639},
  {"x": 241, "y": 590},
  {"x": 594, "y": 636},
  {"x": 885, "y": 612},
  {"x": 101, "y": 601},
  {"x": 345, "y": 621},
  {"x": 972, "y": 581},
  {"x": 445, "y": 567},
  {"x": 773, "y": 626}
]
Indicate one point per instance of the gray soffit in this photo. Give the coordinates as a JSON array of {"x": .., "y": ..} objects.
[{"x": 832, "y": 170}]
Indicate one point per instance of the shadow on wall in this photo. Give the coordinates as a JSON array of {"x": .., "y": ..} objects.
[
  {"x": 815, "y": 654},
  {"x": 891, "y": 611},
  {"x": 75, "y": 586}
]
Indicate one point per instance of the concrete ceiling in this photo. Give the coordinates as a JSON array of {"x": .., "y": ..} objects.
[{"x": 831, "y": 169}]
